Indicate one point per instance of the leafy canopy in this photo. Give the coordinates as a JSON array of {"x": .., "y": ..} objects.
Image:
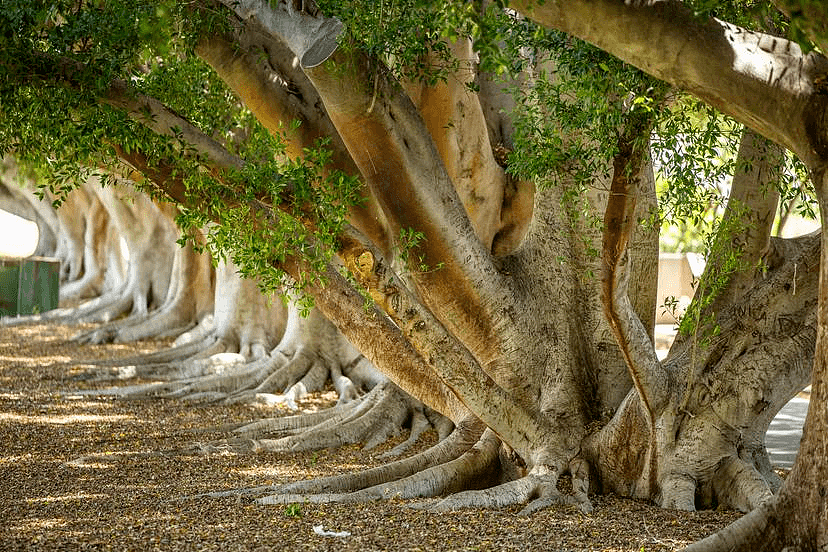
[{"x": 58, "y": 59}]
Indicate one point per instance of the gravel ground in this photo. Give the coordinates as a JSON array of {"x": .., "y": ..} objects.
[{"x": 89, "y": 473}]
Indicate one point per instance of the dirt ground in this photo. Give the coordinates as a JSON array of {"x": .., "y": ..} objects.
[{"x": 95, "y": 473}]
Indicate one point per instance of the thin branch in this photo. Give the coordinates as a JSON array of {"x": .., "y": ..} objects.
[{"x": 650, "y": 379}]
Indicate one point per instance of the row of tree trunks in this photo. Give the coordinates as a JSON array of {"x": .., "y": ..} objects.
[{"x": 233, "y": 342}]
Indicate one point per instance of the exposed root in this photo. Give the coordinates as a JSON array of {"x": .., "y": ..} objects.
[
  {"x": 453, "y": 446},
  {"x": 173, "y": 354},
  {"x": 452, "y": 466},
  {"x": 65, "y": 315},
  {"x": 736, "y": 536},
  {"x": 158, "y": 325},
  {"x": 314, "y": 379},
  {"x": 283, "y": 377},
  {"x": 419, "y": 425},
  {"x": 460, "y": 440},
  {"x": 227, "y": 376},
  {"x": 538, "y": 488},
  {"x": 205, "y": 327},
  {"x": 230, "y": 373},
  {"x": 735, "y": 484},
  {"x": 739, "y": 485},
  {"x": 114, "y": 307},
  {"x": 470, "y": 468},
  {"x": 678, "y": 492},
  {"x": 301, "y": 422},
  {"x": 372, "y": 419},
  {"x": 86, "y": 287},
  {"x": 107, "y": 332}
]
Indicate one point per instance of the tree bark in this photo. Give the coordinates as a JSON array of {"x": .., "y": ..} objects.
[{"x": 796, "y": 519}]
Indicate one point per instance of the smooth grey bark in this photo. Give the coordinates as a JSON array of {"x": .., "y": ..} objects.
[
  {"x": 95, "y": 245},
  {"x": 748, "y": 355},
  {"x": 188, "y": 301},
  {"x": 797, "y": 518},
  {"x": 149, "y": 237}
]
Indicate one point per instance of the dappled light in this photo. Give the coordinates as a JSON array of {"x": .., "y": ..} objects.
[
  {"x": 117, "y": 469},
  {"x": 60, "y": 420}
]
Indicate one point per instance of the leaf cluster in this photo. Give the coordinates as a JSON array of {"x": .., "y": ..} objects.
[{"x": 260, "y": 214}]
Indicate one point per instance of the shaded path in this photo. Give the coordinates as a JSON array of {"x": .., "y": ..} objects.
[
  {"x": 97, "y": 473},
  {"x": 785, "y": 432}
]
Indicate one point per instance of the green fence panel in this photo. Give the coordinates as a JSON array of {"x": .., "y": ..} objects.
[
  {"x": 28, "y": 286},
  {"x": 9, "y": 286},
  {"x": 39, "y": 285}
]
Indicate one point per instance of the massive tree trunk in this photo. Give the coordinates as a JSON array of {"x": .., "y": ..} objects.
[
  {"x": 503, "y": 330},
  {"x": 506, "y": 322},
  {"x": 797, "y": 518},
  {"x": 189, "y": 300},
  {"x": 748, "y": 352},
  {"x": 771, "y": 86}
]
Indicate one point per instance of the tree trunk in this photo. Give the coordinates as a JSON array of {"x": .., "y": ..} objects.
[
  {"x": 745, "y": 356},
  {"x": 797, "y": 518}
]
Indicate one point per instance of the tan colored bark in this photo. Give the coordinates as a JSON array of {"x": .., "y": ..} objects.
[
  {"x": 72, "y": 227},
  {"x": 189, "y": 299},
  {"x": 650, "y": 379},
  {"x": 454, "y": 117},
  {"x": 280, "y": 95}
]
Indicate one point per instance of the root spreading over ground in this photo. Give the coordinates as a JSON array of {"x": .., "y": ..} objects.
[{"x": 98, "y": 472}]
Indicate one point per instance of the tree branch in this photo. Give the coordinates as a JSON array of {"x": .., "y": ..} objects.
[
  {"x": 650, "y": 379},
  {"x": 763, "y": 81},
  {"x": 385, "y": 342},
  {"x": 393, "y": 149},
  {"x": 164, "y": 121},
  {"x": 280, "y": 99},
  {"x": 454, "y": 117},
  {"x": 745, "y": 228},
  {"x": 525, "y": 431}
]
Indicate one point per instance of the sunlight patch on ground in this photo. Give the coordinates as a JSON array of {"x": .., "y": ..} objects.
[
  {"x": 64, "y": 498},
  {"x": 39, "y": 524},
  {"x": 74, "y": 403},
  {"x": 88, "y": 462},
  {"x": 61, "y": 420},
  {"x": 15, "y": 459},
  {"x": 266, "y": 473},
  {"x": 58, "y": 359}
]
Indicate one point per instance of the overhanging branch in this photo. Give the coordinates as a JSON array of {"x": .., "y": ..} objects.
[{"x": 763, "y": 81}]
